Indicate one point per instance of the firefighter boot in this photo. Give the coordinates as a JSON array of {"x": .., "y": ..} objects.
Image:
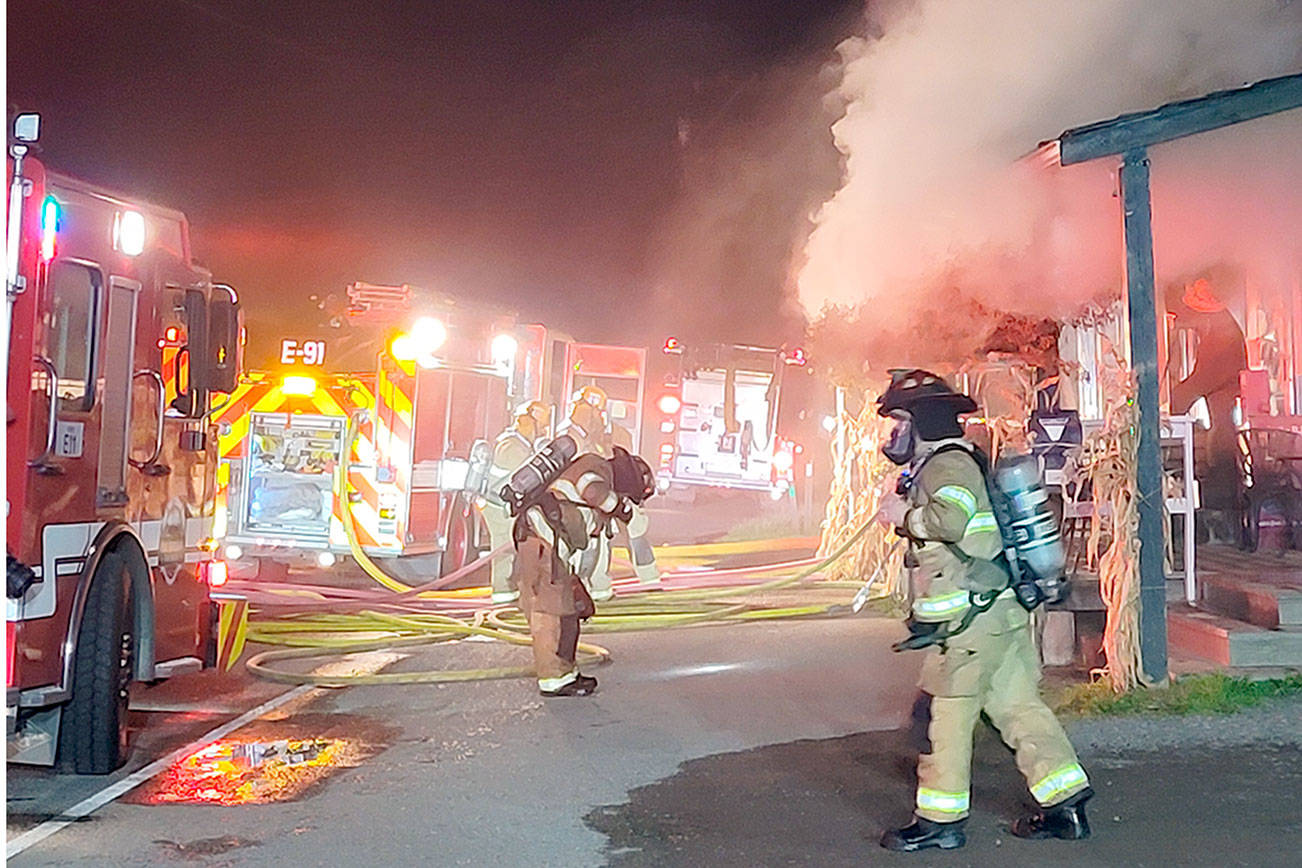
[
  {"x": 924, "y": 834},
  {"x": 1065, "y": 820},
  {"x": 582, "y": 685}
]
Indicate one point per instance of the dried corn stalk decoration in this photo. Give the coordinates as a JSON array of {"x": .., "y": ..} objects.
[
  {"x": 1107, "y": 464},
  {"x": 861, "y": 476}
]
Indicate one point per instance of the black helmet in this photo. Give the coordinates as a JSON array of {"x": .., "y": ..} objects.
[
  {"x": 913, "y": 386},
  {"x": 633, "y": 476}
]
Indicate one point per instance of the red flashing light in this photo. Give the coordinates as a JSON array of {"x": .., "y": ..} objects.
[
  {"x": 217, "y": 573},
  {"x": 49, "y": 227},
  {"x": 172, "y": 334},
  {"x": 795, "y": 357},
  {"x": 673, "y": 346}
]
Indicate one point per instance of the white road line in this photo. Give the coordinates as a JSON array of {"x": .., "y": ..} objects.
[{"x": 120, "y": 788}]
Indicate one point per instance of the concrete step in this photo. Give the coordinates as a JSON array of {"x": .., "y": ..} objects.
[
  {"x": 1203, "y": 634},
  {"x": 1268, "y": 605}
]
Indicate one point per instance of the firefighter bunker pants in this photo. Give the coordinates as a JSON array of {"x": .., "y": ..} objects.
[
  {"x": 547, "y": 598},
  {"x": 500, "y": 524},
  {"x": 992, "y": 667}
]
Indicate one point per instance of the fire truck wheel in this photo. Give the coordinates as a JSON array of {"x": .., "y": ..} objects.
[
  {"x": 93, "y": 732},
  {"x": 465, "y": 528}
]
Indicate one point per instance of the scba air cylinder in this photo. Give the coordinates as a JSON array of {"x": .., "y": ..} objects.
[
  {"x": 1032, "y": 523},
  {"x": 539, "y": 472}
]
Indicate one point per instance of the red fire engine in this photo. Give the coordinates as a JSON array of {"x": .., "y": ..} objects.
[
  {"x": 111, "y": 458},
  {"x": 314, "y": 462},
  {"x": 720, "y": 419}
]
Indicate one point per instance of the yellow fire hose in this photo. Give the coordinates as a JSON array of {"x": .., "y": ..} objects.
[{"x": 317, "y": 635}]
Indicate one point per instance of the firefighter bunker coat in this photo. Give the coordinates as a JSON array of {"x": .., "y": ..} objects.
[
  {"x": 548, "y": 550},
  {"x": 991, "y": 665}
]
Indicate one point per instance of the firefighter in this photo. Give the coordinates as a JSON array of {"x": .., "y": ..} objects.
[
  {"x": 550, "y": 536},
  {"x": 586, "y": 425},
  {"x": 978, "y": 659},
  {"x": 513, "y": 447},
  {"x": 587, "y": 420}
]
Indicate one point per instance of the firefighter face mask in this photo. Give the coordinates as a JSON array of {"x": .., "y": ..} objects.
[{"x": 899, "y": 448}]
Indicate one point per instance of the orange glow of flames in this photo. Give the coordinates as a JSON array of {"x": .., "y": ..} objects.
[{"x": 236, "y": 772}]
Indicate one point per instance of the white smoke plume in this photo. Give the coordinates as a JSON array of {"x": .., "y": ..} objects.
[{"x": 939, "y": 217}]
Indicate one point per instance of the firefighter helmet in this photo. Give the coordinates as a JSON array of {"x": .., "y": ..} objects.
[
  {"x": 633, "y": 476},
  {"x": 532, "y": 419},
  {"x": 911, "y": 387},
  {"x": 924, "y": 407}
]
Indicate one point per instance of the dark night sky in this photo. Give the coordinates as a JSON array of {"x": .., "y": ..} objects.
[{"x": 612, "y": 168}]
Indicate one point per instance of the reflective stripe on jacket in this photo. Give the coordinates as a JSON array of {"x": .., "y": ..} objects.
[{"x": 951, "y": 529}]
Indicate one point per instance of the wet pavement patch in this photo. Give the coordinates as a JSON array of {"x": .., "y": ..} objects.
[
  {"x": 826, "y": 802},
  {"x": 267, "y": 761},
  {"x": 763, "y": 806}
]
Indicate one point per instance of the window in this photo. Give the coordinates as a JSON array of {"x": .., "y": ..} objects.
[{"x": 70, "y": 333}]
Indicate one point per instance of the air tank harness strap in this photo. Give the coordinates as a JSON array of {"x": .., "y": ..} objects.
[{"x": 978, "y": 602}]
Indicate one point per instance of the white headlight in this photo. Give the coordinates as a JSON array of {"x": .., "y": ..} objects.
[
  {"x": 129, "y": 232},
  {"x": 234, "y": 552},
  {"x": 325, "y": 559},
  {"x": 503, "y": 349},
  {"x": 428, "y": 334}
]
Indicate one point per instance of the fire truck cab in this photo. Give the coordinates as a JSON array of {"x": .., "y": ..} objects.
[{"x": 116, "y": 344}]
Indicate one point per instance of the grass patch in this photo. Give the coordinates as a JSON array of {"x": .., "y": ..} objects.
[{"x": 1193, "y": 694}]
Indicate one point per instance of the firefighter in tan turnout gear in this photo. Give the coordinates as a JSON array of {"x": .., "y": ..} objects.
[
  {"x": 551, "y": 536},
  {"x": 980, "y": 656},
  {"x": 512, "y": 449}
]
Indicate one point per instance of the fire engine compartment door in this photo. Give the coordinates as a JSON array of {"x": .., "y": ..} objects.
[
  {"x": 708, "y": 451},
  {"x": 115, "y": 412},
  {"x": 289, "y": 480}
]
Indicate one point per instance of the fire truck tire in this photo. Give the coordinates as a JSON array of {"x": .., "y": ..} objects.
[
  {"x": 465, "y": 529},
  {"x": 93, "y": 732}
]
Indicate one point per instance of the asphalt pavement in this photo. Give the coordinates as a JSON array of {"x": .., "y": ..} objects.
[
  {"x": 761, "y": 744},
  {"x": 772, "y": 743}
]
